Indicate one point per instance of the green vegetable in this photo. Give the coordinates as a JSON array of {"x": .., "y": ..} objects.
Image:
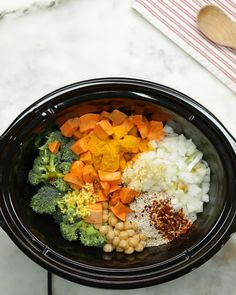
[
  {"x": 89, "y": 235},
  {"x": 50, "y": 167},
  {"x": 46, "y": 200}
]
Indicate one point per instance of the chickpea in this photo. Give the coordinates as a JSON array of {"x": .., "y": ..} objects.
[
  {"x": 124, "y": 235},
  {"x": 133, "y": 242},
  {"x": 127, "y": 225},
  {"x": 129, "y": 250},
  {"x": 110, "y": 235},
  {"x": 131, "y": 232},
  {"x": 116, "y": 232},
  {"x": 104, "y": 218},
  {"x": 135, "y": 225},
  {"x": 112, "y": 220},
  {"x": 139, "y": 248},
  {"x": 142, "y": 237},
  {"x": 107, "y": 248},
  {"x": 103, "y": 230},
  {"x": 105, "y": 205},
  {"x": 118, "y": 249},
  {"x": 119, "y": 225},
  {"x": 137, "y": 236},
  {"x": 123, "y": 244},
  {"x": 115, "y": 241},
  {"x": 143, "y": 243},
  {"x": 105, "y": 211}
]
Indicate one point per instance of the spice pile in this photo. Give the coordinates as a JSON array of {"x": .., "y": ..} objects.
[{"x": 119, "y": 182}]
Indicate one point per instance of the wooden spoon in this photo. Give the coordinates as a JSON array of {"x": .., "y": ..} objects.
[{"x": 217, "y": 26}]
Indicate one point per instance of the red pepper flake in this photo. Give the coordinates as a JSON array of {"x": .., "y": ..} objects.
[{"x": 169, "y": 223}]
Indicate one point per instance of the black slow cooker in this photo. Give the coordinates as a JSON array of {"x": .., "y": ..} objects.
[{"x": 39, "y": 237}]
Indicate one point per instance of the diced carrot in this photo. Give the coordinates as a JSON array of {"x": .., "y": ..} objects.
[
  {"x": 109, "y": 176},
  {"x": 105, "y": 187},
  {"x": 89, "y": 173},
  {"x": 54, "y": 146},
  {"x": 88, "y": 122},
  {"x": 117, "y": 117},
  {"x": 155, "y": 130},
  {"x": 101, "y": 197},
  {"x": 73, "y": 179},
  {"x": 134, "y": 131},
  {"x": 114, "y": 188},
  {"x": 127, "y": 195},
  {"x": 105, "y": 115},
  {"x": 95, "y": 213},
  {"x": 69, "y": 127},
  {"x": 86, "y": 157},
  {"x": 76, "y": 168},
  {"x": 120, "y": 210},
  {"x": 77, "y": 134},
  {"x": 80, "y": 146},
  {"x": 143, "y": 130},
  {"x": 137, "y": 119},
  {"x": 103, "y": 129}
]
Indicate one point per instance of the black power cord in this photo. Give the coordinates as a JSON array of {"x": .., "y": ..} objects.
[{"x": 49, "y": 279}]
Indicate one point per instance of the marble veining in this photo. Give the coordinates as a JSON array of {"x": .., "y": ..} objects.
[{"x": 44, "y": 49}]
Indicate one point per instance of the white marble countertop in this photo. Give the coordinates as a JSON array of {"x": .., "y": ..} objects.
[{"x": 81, "y": 39}]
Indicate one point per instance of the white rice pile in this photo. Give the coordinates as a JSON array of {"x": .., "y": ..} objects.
[{"x": 175, "y": 168}]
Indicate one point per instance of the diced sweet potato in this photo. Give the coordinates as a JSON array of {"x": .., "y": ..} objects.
[
  {"x": 120, "y": 210},
  {"x": 77, "y": 134},
  {"x": 101, "y": 196},
  {"x": 127, "y": 195},
  {"x": 117, "y": 117},
  {"x": 130, "y": 144},
  {"x": 69, "y": 127},
  {"x": 73, "y": 180},
  {"x": 77, "y": 168},
  {"x": 105, "y": 187},
  {"x": 109, "y": 176},
  {"x": 105, "y": 115},
  {"x": 155, "y": 130},
  {"x": 86, "y": 157},
  {"x": 88, "y": 122},
  {"x": 95, "y": 213},
  {"x": 103, "y": 129},
  {"x": 89, "y": 174},
  {"x": 80, "y": 146}
]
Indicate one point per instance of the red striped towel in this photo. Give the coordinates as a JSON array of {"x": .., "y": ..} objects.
[{"x": 177, "y": 20}]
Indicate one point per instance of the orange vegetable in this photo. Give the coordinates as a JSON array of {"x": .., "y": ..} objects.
[
  {"x": 69, "y": 127},
  {"x": 101, "y": 196},
  {"x": 88, "y": 122},
  {"x": 127, "y": 195},
  {"x": 120, "y": 210},
  {"x": 89, "y": 173},
  {"x": 103, "y": 129},
  {"x": 114, "y": 187},
  {"x": 86, "y": 157},
  {"x": 117, "y": 117},
  {"x": 73, "y": 180},
  {"x": 155, "y": 130},
  {"x": 143, "y": 130},
  {"x": 76, "y": 168},
  {"x": 80, "y": 146},
  {"x": 105, "y": 187},
  {"x": 109, "y": 176},
  {"x": 54, "y": 146},
  {"x": 115, "y": 198},
  {"x": 77, "y": 134},
  {"x": 95, "y": 213},
  {"x": 137, "y": 119},
  {"x": 105, "y": 115},
  {"x": 134, "y": 131}
]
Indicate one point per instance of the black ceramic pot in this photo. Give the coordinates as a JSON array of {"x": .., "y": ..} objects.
[{"x": 38, "y": 236}]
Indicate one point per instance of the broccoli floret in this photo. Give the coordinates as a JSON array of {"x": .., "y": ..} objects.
[
  {"x": 89, "y": 235},
  {"x": 46, "y": 199},
  {"x": 50, "y": 167},
  {"x": 60, "y": 184}
]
